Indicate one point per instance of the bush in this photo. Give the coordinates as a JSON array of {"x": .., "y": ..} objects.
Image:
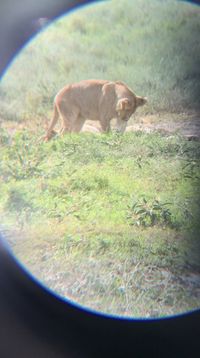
[{"x": 144, "y": 213}]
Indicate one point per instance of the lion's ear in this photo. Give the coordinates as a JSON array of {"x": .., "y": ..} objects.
[
  {"x": 123, "y": 104},
  {"x": 140, "y": 101}
]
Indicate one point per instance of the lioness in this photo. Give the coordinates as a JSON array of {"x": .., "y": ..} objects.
[{"x": 97, "y": 100}]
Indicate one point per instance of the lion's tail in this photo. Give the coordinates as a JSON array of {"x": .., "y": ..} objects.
[{"x": 53, "y": 122}]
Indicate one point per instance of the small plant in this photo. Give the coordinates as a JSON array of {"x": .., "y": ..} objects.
[
  {"x": 16, "y": 201},
  {"x": 144, "y": 213},
  {"x": 140, "y": 161},
  {"x": 115, "y": 140},
  {"x": 22, "y": 160},
  {"x": 191, "y": 169},
  {"x": 18, "y": 205},
  {"x": 4, "y": 137}
]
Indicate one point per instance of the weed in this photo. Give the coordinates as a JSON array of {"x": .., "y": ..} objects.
[
  {"x": 113, "y": 141},
  {"x": 4, "y": 137},
  {"x": 144, "y": 213},
  {"x": 16, "y": 201},
  {"x": 140, "y": 161},
  {"x": 191, "y": 169},
  {"x": 18, "y": 204},
  {"x": 22, "y": 159}
]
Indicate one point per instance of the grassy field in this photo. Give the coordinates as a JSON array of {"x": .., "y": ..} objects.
[{"x": 111, "y": 221}]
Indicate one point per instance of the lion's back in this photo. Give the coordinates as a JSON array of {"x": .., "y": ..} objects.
[{"x": 84, "y": 95}]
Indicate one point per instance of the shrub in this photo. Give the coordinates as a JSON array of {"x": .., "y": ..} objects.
[{"x": 144, "y": 213}]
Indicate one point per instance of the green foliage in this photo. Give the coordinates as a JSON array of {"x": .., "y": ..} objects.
[
  {"x": 146, "y": 213},
  {"x": 69, "y": 201},
  {"x": 191, "y": 169},
  {"x": 191, "y": 163},
  {"x": 16, "y": 201},
  {"x": 18, "y": 205},
  {"x": 4, "y": 137},
  {"x": 22, "y": 159}
]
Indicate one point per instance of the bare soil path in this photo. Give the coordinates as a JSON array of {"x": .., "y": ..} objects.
[{"x": 187, "y": 125}]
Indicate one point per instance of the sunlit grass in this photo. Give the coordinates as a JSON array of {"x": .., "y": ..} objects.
[{"x": 73, "y": 223}]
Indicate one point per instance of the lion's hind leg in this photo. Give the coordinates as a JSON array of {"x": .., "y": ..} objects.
[
  {"x": 65, "y": 120},
  {"x": 71, "y": 121},
  {"x": 78, "y": 124},
  {"x": 65, "y": 128},
  {"x": 50, "y": 131}
]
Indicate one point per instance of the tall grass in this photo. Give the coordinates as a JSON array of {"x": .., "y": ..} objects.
[
  {"x": 152, "y": 45},
  {"x": 111, "y": 221}
]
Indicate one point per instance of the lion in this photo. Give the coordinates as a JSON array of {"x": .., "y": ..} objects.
[{"x": 97, "y": 100}]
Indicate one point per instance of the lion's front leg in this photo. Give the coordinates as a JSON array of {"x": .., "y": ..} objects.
[
  {"x": 121, "y": 125},
  {"x": 105, "y": 124},
  {"x": 105, "y": 127}
]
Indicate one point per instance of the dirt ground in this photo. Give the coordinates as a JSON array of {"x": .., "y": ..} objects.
[{"x": 185, "y": 124}]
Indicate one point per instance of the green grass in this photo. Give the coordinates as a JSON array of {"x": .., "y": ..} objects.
[{"x": 72, "y": 201}]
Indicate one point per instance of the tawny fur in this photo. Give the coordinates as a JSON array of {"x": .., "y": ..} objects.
[{"x": 97, "y": 100}]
